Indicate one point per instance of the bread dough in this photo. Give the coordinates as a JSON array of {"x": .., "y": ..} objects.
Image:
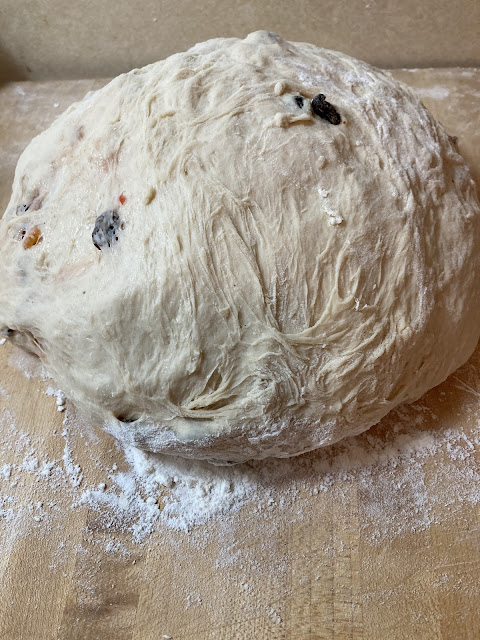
[{"x": 212, "y": 267}]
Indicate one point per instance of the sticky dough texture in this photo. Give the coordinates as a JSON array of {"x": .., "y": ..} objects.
[{"x": 279, "y": 282}]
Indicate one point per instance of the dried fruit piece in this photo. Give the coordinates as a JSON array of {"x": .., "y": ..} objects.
[
  {"x": 299, "y": 101},
  {"x": 325, "y": 110},
  {"x": 32, "y": 237},
  {"x": 105, "y": 231},
  {"x": 122, "y": 198}
]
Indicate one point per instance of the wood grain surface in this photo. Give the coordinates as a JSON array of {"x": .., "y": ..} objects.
[{"x": 332, "y": 565}]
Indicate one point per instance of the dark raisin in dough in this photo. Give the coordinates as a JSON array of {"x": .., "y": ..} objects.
[
  {"x": 299, "y": 101},
  {"x": 106, "y": 228},
  {"x": 325, "y": 110}
]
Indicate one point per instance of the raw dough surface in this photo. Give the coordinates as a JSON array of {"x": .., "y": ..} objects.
[{"x": 210, "y": 268}]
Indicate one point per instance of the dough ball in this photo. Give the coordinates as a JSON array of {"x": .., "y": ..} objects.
[{"x": 253, "y": 248}]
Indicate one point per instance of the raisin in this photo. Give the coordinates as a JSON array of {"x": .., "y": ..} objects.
[
  {"x": 299, "y": 101},
  {"x": 105, "y": 231},
  {"x": 325, "y": 110}
]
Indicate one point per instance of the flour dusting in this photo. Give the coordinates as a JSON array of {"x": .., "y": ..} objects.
[{"x": 415, "y": 472}]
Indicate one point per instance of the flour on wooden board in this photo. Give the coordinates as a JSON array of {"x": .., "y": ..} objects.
[{"x": 140, "y": 494}]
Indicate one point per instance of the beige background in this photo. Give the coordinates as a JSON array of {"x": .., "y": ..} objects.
[{"x": 42, "y": 39}]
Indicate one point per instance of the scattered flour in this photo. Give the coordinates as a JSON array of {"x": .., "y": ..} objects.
[
  {"x": 409, "y": 474},
  {"x": 59, "y": 395},
  {"x": 74, "y": 471},
  {"x": 183, "y": 494}
]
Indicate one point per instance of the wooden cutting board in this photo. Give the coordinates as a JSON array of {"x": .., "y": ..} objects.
[{"x": 360, "y": 548}]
